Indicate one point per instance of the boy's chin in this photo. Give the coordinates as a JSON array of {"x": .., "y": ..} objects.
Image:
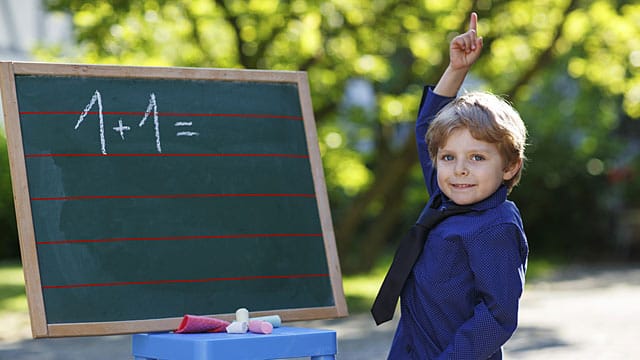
[{"x": 463, "y": 199}]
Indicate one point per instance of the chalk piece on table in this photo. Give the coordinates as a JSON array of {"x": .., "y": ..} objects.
[
  {"x": 260, "y": 327},
  {"x": 238, "y": 327},
  {"x": 242, "y": 315},
  {"x": 272, "y": 319}
]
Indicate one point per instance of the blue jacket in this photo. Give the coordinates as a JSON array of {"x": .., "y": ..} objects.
[{"x": 461, "y": 300}]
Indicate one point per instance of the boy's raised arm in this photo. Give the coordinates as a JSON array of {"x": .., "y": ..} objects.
[{"x": 464, "y": 50}]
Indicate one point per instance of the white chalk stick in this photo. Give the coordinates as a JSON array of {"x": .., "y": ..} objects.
[
  {"x": 238, "y": 327},
  {"x": 242, "y": 315}
]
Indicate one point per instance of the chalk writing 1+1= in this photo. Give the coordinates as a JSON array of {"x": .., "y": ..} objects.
[{"x": 122, "y": 128}]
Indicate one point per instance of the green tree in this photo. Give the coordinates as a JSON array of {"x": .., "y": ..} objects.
[{"x": 571, "y": 67}]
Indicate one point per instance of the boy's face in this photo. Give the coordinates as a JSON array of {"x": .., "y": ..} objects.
[{"x": 470, "y": 170}]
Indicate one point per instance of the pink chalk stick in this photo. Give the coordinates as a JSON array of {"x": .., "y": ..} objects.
[{"x": 260, "y": 327}]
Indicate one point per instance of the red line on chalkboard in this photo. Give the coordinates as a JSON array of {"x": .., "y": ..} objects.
[
  {"x": 168, "y": 155},
  {"x": 142, "y": 113},
  {"x": 170, "y": 238},
  {"x": 168, "y": 196},
  {"x": 159, "y": 282}
]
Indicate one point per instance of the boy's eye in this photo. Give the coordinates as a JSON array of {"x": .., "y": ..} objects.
[
  {"x": 477, "y": 157},
  {"x": 447, "y": 157}
]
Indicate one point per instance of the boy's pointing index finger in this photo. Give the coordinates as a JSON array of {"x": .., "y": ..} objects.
[
  {"x": 473, "y": 29},
  {"x": 473, "y": 23}
]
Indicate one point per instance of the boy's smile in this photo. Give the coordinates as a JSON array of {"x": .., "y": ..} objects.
[{"x": 470, "y": 170}]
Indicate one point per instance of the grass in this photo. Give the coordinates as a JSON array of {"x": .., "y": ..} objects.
[
  {"x": 12, "y": 294},
  {"x": 360, "y": 289}
]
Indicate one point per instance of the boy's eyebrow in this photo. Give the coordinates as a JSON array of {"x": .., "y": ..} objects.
[{"x": 483, "y": 150}]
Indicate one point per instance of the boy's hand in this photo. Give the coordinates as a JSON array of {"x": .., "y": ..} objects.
[
  {"x": 463, "y": 52},
  {"x": 465, "y": 49}
]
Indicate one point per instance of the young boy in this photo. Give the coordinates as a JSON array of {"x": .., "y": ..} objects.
[{"x": 461, "y": 298}]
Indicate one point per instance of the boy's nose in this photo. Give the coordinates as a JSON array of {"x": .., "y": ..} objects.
[{"x": 461, "y": 168}]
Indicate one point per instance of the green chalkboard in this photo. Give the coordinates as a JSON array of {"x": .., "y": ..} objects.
[{"x": 144, "y": 194}]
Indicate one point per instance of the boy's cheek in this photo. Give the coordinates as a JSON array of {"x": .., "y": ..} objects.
[{"x": 441, "y": 182}]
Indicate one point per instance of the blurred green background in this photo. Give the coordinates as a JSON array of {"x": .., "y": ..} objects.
[{"x": 572, "y": 69}]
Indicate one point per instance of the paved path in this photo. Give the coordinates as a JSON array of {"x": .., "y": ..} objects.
[{"x": 584, "y": 313}]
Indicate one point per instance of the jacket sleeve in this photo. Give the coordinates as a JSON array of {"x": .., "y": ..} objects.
[
  {"x": 495, "y": 257},
  {"x": 430, "y": 104}
]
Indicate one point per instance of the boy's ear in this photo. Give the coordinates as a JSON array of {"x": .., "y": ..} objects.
[{"x": 511, "y": 170}]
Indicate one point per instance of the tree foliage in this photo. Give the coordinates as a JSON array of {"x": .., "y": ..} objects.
[{"x": 571, "y": 67}]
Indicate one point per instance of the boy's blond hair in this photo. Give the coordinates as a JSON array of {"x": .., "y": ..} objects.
[{"x": 488, "y": 118}]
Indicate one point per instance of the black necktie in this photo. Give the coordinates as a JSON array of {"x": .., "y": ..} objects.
[{"x": 407, "y": 254}]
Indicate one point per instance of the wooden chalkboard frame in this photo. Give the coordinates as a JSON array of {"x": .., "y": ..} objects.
[{"x": 29, "y": 253}]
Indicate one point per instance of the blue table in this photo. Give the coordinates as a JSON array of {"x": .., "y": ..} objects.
[{"x": 284, "y": 342}]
